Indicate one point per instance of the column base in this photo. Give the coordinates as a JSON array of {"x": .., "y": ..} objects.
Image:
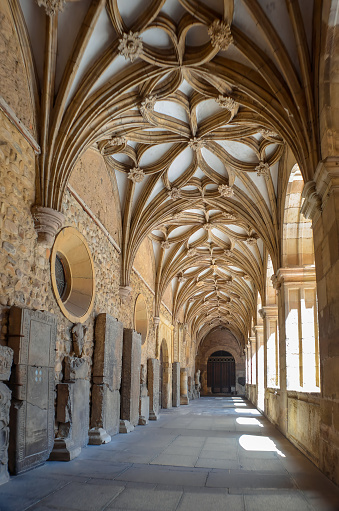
[
  {"x": 125, "y": 427},
  {"x": 64, "y": 450},
  {"x": 153, "y": 416},
  {"x": 98, "y": 436},
  {"x": 184, "y": 400},
  {"x": 142, "y": 421}
]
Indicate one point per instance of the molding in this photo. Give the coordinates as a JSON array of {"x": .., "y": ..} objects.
[
  {"x": 297, "y": 275},
  {"x": 10, "y": 114}
]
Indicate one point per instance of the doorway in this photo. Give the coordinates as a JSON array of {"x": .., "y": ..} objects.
[{"x": 221, "y": 373}]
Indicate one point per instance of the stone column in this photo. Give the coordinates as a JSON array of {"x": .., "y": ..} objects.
[
  {"x": 144, "y": 399},
  {"x": 184, "y": 400},
  {"x": 322, "y": 206},
  {"x": 176, "y": 384},
  {"x": 6, "y": 359},
  {"x": 105, "y": 416},
  {"x": 259, "y": 333},
  {"x": 153, "y": 388},
  {"x": 271, "y": 342},
  {"x": 130, "y": 380},
  {"x": 32, "y": 336},
  {"x": 72, "y": 410}
]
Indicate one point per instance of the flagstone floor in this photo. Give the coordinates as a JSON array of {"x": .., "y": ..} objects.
[{"x": 214, "y": 454}]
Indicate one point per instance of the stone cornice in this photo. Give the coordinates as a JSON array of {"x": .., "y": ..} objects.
[
  {"x": 300, "y": 275},
  {"x": 270, "y": 311}
]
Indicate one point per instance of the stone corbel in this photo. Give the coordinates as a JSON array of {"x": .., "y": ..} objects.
[
  {"x": 124, "y": 293},
  {"x": 312, "y": 201},
  {"x": 47, "y": 223}
]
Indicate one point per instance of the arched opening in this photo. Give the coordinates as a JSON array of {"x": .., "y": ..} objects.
[{"x": 221, "y": 373}]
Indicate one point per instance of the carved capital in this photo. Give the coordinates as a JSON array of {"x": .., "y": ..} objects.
[
  {"x": 47, "y": 223},
  {"x": 124, "y": 293}
]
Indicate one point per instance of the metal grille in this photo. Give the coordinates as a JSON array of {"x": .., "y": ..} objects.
[{"x": 60, "y": 276}]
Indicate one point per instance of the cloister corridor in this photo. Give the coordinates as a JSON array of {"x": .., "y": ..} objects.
[{"x": 218, "y": 453}]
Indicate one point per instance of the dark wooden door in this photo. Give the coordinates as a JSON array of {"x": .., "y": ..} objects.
[{"x": 221, "y": 372}]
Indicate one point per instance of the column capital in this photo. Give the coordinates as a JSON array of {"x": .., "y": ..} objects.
[
  {"x": 47, "y": 223},
  {"x": 270, "y": 311},
  {"x": 295, "y": 275},
  {"x": 317, "y": 192}
]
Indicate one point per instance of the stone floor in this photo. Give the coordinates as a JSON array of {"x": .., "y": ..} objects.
[{"x": 215, "y": 454}]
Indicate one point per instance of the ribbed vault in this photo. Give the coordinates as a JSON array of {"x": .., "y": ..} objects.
[{"x": 194, "y": 106}]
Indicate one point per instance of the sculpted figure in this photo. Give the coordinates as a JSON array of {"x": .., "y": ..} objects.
[{"x": 78, "y": 337}]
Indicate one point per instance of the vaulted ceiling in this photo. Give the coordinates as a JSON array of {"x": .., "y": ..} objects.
[{"x": 193, "y": 105}]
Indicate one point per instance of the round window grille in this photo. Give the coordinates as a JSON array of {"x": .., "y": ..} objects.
[{"x": 72, "y": 275}]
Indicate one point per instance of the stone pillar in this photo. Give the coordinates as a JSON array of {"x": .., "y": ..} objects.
[
  {"x": 259, "y": 333},
  {"x": 176, "y": 384},
  {"x": 105, "y": 416},
  {"x": 322, "y": 206},
  {"x": 32, "y": 336},
  {"x": 167, "y": 385},
  {"x": 130, "y": 380},
  {"x": 72, "y": 410},
  {"x": 144, "y": 398},
  {"x": 271, "y": 343},
  {"x": 153, "y": 388},
  {"x": 184, "y": 400},
  {"x": 6, "y": 359}
]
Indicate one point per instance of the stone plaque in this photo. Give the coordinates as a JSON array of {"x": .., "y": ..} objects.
[
  {"x": 6, "y": 359},
  {"x": 32, "y": 336},
  {"x": 105, "y": 416},
  {"x": 176, "y": 384},
  {"x": 108, "y": 351},
  {"x": 130, "y": 381},
  {"x": 153, "y": 387},
  {"x": 5, "y": 403},
  {"x": 72, "y": 410}
]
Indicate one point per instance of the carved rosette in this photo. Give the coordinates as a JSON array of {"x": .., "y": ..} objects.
[
  {"x": 229, "y": 216},
  {"x": 174, "y": 193},
  {"x": 47, "y": 223},
  {"x": 196, "y": 143},
  {"x": 124, "y": 293},
  {"x": 165, "y": 244},
  {"x": 227, "y": 103},
  {"x": 136, "y": 175},
  {"x": 268, "y": 133},
  {"x": 207, "y": 226},
  {"x": 182, "y": 279},
  {"x": 220, "y": 34},
  {"x": 251, "y": 240},
  {"x": 52, "y": 6},
  {"x": 130, "y": 46},
  {"x": 228, "y": 252},
  {"x": 191, "y": 252},
  {"x": 118, "y": 141},
  {"x": 147, "y": 105},
  {"x": 263, "y": 169},
  {"x": 226, "y": 191}
]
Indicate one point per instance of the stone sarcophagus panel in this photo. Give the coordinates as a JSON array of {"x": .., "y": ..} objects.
[
  {"x": 144, "y": 399},
  {"x": 130, "y": 380},
  {"x": 105, "y": 416},
  {"x": 6, "y": 358},
  {"x": 176, "y": 384},
  {"x": 153, "y": 387},
  {"x": 32, "y": 336},
  {"x": 72, "y": 410}
]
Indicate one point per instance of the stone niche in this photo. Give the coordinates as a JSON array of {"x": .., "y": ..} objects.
[
  {"x": 6, "y": 359},
  {"x": 32, "y": 336},
  {"x": 144, "y": 398},
  {"x": 153, "y": 387},
  {"x": 105, "y": 417},
  {"x": 72, "y": 410},
  {"x": 130, "y": 381},
  {"x": 176, "y": 384}
]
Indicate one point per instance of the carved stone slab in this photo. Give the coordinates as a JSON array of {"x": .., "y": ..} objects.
[
  {"x": 108, "y": 351},
  {"x": 32, "y": 336},
  {"x": 5, "y": 403},
  {"x": 6, "y": 359},
  {"x": 184, "y": 399},
  {"x": 153, "y": 387},
  {"x": 72, "y": 410},
  {"x": 176, "y": 384},
  {"x": 130, "y": 381},
  {"x": 105, "y": 414}
]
